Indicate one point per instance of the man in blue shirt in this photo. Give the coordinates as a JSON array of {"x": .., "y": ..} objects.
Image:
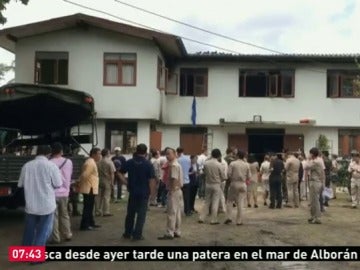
[
  {"x": 185, "y": 164},
  {"x": 141, "y": 181}
]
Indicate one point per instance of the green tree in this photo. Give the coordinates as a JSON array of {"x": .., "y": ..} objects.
[
  {"x": 6, "y": 68},
  {"x": 323, "y": 143},
  {"x": 2, "y": 8}
]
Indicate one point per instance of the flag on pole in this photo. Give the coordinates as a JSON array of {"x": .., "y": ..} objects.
[{"x": 193, "y": 112}]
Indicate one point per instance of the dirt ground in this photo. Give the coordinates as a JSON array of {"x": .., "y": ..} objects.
[{"x": 262, "y": 226}]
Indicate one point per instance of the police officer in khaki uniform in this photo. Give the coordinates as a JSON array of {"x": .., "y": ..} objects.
[
  {"x": 106, "y": 169},
  {"x": 292, "y": 167},
  {"x": 214, "y": 176},
  {"x": 175, "y": 202},
  {"x": 316, "y": 167},
  {"x": 238, "y": 173}
]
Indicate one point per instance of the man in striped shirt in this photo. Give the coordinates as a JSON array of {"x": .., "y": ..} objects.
[{"x": 39, "y": 178}]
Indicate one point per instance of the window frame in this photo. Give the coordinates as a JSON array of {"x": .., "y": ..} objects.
[
  {"x": 195, "y": 72},
  {"x": 271, "y": 74},
  {"x": 292, "y": 84},
  {"x": 337, "y": 85},
  {"x": 169, "y": 76},
  {"x": 340, "y": 76},
  {"x": 120, "y": 63},
  {"x": 162, "y": 75},
  {"x": 37, "y": 71},
  {"x": 276, "y": 78}
]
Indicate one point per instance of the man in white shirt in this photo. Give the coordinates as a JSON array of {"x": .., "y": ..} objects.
[
  {"x": 265, "y": 174},
  {"x": 39, "y": 178}
]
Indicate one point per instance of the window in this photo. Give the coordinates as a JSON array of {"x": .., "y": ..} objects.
[
  {"x": 193, "y": 82},
  {"x": 120, "y": 69},
  {"x": 266, "y": 83},
  {"x": 161, "y": 75},
  {"x": 172, "y": 84},
  {"x": 122, "y": 134},
  {"x": 51, "y": 67},
  {"x": 343, "y": 84}
]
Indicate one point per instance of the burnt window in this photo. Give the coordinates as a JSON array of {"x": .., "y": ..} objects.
[
  {"x": 343, "y": 84},
  {"x": 194, "y": 82},
  {"x": 266, "y": 83},
  {"x": 162, "y": 74},
  {"x": 51, "y": 67}
]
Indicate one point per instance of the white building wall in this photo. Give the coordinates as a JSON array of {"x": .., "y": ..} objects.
[
  {"x": 86, "y": 51},
  {"x": 170, "y": 136},
  {"x": 143, "y": 132},
  {"x": 312, "y": 136},
  {"x": 223, "y": 100}
]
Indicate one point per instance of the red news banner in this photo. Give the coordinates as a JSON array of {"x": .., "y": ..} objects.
[
  {"x": 27, "y": 254},
  {"x": 183, "y": 253}
]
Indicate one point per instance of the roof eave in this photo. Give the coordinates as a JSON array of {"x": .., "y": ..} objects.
[
  {"x": 9, "y": 36},
  {"x": 7, "y": 44}
]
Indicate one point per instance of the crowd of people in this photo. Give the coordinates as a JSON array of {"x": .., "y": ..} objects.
[{"x": 173, "y": 180}]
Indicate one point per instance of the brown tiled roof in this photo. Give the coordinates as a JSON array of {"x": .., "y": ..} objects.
[{"x": 296, "y": 57}]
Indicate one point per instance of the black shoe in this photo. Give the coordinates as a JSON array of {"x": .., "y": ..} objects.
[
  {"x": 265, "y": 203},
  {"x": 271, "y": 207},
  {"x": 90, "y": 228},
  {"x": 138, "y": 238},
  {"x": 126, "y": 236},
  {"x": 228, "y": 221},
  {"x": 177, "y": 235},
  {"x": 249, "y": 205},
  {"x": 200, "y": 221},
  {"x": 256, "y": 206},
  {"x": 326, "y": 204},
  {"x": 278, "y": 207}
]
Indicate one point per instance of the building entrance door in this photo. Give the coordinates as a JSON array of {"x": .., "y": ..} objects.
[{"x": 263, "y": 141}]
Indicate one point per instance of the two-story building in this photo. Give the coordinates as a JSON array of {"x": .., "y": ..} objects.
[{"x": 144, "y": 83}]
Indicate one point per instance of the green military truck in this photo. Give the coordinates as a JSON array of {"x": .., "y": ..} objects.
[{"x": 32, "y": 115}]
